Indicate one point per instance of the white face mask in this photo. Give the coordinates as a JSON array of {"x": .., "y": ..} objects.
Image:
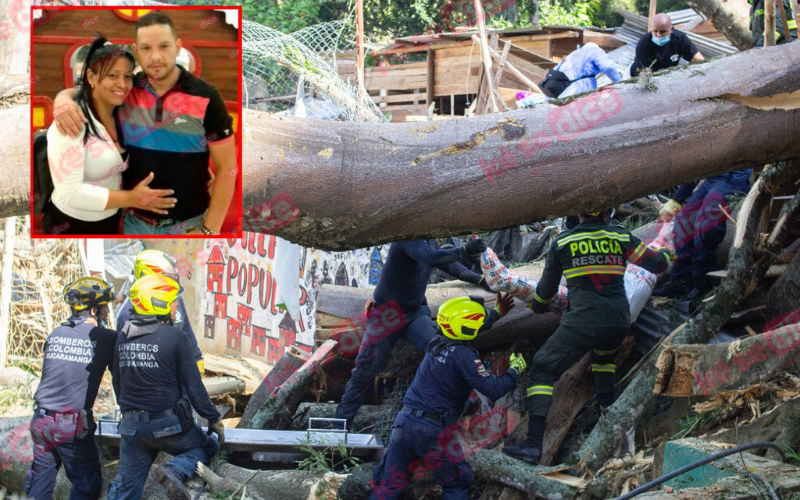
[{"x": 661, "y": 41}]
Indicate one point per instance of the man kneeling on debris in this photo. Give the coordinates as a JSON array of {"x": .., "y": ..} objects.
[
  {"x": 76, "y": 354},
  {"x": 154, "y": 361},
  {"x": 447, "y": 375},
  {"x": 592, "y": 257}
]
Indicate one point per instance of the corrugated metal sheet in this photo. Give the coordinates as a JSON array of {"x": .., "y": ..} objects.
[{"x": 635, "y": 27}]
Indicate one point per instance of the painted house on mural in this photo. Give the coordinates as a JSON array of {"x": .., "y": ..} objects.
[
  {"x": 61, "y": 38},
  {"x": 234, "y": 290}
]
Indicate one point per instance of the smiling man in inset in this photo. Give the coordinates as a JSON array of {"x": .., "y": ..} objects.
[{"x": 172, "y": 122}]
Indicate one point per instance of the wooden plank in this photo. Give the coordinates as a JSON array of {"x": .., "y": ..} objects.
[
  {"x": 430, "y": 78},
  {"x": 499, "y": 75},
  {"x": 396, "y": 98},
  {"x": 402, "y": 83}
]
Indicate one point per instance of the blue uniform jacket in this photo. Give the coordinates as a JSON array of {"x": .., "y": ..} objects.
[{"x": 448, "y": 374}]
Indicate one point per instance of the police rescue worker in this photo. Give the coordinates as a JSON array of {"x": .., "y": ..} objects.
[
  {"x": 757, "y": 22},
  {"x": 154, "y": 363},
  {"x": 663, "y": 47},
  {"x": 76, "y": 354},
  {"x": 157, "y": 262},
  {"x": 400, "y": 294},
  {"x": 592, "y": 257},
  {"x": 444, "y": 380}
]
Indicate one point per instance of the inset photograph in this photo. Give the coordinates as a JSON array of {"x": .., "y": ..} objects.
[{"x": 135, "y": 122}]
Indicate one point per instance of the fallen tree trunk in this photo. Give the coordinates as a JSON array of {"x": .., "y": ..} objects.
[
  {"x": 782, "y": 306},
  {"x": 289, "y": 363},
  {"x": 374, "y": 183},
  {"x": 366, "y": 417},
  {"x": 623, "y": 414},
  {"x": 277, "y": 411},
  {"x": 689, "y": 370},
  {"x": 260, "y": 484},
  {"x": 732, "y": 19}
]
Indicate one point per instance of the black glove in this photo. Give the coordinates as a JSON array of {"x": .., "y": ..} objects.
[
  {"x": 475, "y": 247},
  {"x": 219, "y": 429},
  {"x": 538, "y": 307}
]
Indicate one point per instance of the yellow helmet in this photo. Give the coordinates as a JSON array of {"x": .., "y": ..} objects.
[
  {"x": 86, "y": 292},
  {"x": 153, "y": 294},
  {"x": 461, "y": 318},
  {"x": 153, "y": 262}
]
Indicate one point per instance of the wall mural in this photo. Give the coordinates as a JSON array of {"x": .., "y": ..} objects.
[{"x": 239, "y": 292}]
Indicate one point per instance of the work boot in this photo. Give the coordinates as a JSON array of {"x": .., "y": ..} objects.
[
  {"x": 673, "y": 288},
  {"x": 529, "y": 450},
  {"x": 171, "y": 480}
]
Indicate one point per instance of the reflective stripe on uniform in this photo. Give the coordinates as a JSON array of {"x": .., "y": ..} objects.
[
  {"x": 610, "y": 368},
  {"x": 792, "y": 24},
  {"x": 605, "y": 353},
  {"x": 594, "y": 235},
  {"x": 580, "y": 271},
  {"x": 637, "y": 253},
  {"x": 539, "y": 299},
  {"x": 540, "y": 390}
]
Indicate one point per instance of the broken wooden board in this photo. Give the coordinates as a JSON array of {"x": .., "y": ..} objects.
[
  {"x": 250, "y": 371},
  {"x": 290, "y": 362},
  {"x": 277, "y": 410}
]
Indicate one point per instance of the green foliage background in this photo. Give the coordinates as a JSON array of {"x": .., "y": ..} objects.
[{"x": 387, "y": 19}]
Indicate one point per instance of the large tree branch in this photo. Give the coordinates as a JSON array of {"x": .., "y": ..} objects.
[
  {"x": 336, "y": 185},
  {"x": 732, "y": 19}
]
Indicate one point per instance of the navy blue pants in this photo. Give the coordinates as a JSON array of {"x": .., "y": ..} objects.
[
  {"x": 699, "y": 229},
  {"x": 384, "y": 327},
  {"x": 54, "y": 444},
  {"x": 416, "y": 444},
  {"x": 142, "y": 440}
]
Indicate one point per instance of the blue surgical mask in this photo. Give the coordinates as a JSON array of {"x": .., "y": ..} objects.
[{"x": 660, "y": 41}]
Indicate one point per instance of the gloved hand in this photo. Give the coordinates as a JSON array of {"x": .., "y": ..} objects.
[
  {"x": 475, "y": 247},
  {"x": 670, "y": 208},
  {"x": 201, "y": 365},
  {"x": 504, "y": 304},
  {"x": 538, "y": 307},
  {"x": 517, "y": 363},
  {"x": 219, "y": 429},
  {"x": 483, "y": 284}
]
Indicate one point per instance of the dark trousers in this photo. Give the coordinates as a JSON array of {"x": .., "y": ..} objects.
[
  {"x": 417, "y": 444},
  {"x": 142, "y": 440},
  {"x": 699, "y": 229},
  {"x": 56, "y": 222},
  {"x": 384, "y": 328},
  {"x": 54, "y": 444},
  {"x": 562, "y": 350}
]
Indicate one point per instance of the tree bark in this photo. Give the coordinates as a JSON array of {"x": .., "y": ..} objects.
[
  {"x": 782, "y": 298},
  {"x": 622, "y": 415},
  {"x": 351, "y": 185},
  {"x": 732, "y": 19},
  {"x": 689, "y": 370},
  {"x": 277, "y": 411},
  {"x": 366, "y": 416},
  {"x": 283, "y": 369}
]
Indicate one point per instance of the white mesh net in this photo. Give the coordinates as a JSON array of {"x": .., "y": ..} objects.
[{"x": 274, "y": 63}]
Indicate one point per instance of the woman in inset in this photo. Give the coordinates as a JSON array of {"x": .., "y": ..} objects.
[{"x": 87, "y": 171}]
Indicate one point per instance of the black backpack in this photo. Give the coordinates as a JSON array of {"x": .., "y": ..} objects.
[
  {"x": 42, "y": 180},
  {"x": 556, "y": 82}
]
